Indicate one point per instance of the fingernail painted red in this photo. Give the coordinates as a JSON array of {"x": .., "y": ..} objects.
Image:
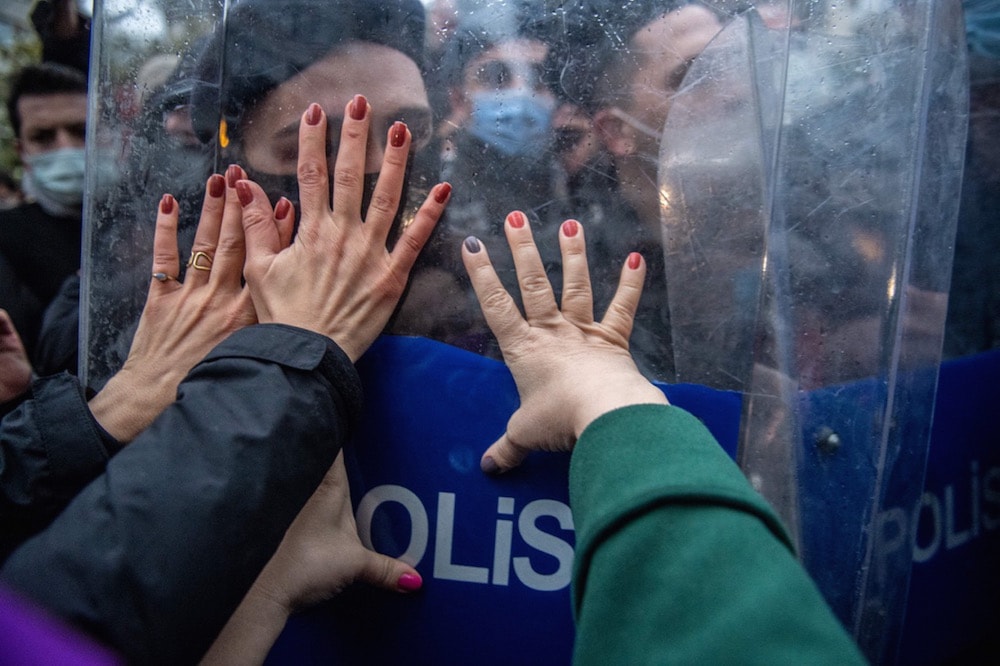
[
  {"x": 313, "y": 114},
  {"x": 216, "y": 186},
  {"x": 634, "y": 260},
  {"x": 516, "y": 219},
  {"x": 359, "y": 107},
  {"x": 398, "y": 135},
  {"x": 233, "y": 174},
  {"x": 569, "y": 228},
  {"x": 244, "y": 192},
  {"x": 283, "y": 208},
  {"x": 167, "y": 204},
  {"x": 442, "y": 192},
  {"x": 410, "y": 582}
]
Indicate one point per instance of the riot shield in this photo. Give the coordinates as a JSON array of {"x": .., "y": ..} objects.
[
  {"x": 795, "y": 214},
  {"x": 810, "y": 176}
]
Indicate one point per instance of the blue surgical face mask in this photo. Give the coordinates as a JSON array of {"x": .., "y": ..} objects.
[
  {"x": 55, "y": 180},
  {"x": 512, "y": 121}
]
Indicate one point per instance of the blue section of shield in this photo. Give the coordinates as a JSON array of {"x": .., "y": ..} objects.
[{"x": 430, "y": 412}]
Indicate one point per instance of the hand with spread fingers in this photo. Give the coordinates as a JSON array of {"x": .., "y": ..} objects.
[
  {"x": 569, "y": 368},
  {"x": 15, "y": 368},
  {"x": 183, "y": 320},
  {"x": 337, "y": 278},
  {"x": 320, "y": 555}
]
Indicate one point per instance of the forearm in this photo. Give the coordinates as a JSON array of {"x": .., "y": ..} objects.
[
  {"x": 131, "y": 400},
  {"x": 702, "y": 585},
  {"x": 250, "y": 632},
  {"x": 678, "y": 560}
]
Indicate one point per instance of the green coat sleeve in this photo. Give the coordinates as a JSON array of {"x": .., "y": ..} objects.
[{"x": 678, "y": 560}]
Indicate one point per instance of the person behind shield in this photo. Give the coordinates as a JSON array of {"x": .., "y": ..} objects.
[
  {"x": 678, "y": 559},
  {"x": 246, "y": 84},
  {"x": 40, "y": 239}
]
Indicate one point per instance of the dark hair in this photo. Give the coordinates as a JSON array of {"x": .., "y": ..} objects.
[
  {"x": 264, "y": 43},
  {"x": 490, "y": 25},
  {"x": 593, "y": 37},
  {"x": 42, "y": 79}
]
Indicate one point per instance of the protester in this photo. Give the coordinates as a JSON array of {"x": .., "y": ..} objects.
[
  {"x": 209, "y": 473},
  {"x": 40, "y": 240}
]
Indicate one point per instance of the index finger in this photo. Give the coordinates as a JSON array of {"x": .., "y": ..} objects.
[
  {"x": 499, "y": 309},
  {"x": 621, "y": 311}
]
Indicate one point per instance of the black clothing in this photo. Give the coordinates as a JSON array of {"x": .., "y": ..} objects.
[
  {"x": 37, "y": 253},
  {"x": 50, "y": 448},
  {"x": 156, "y": 553},
  {"x": 58, "y": 348},
  {"x": 72, "y": 51}
]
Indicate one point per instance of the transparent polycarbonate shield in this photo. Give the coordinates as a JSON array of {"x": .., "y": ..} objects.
[
  {"x": 140, "y": 146},
  {"x": 795, "y": 217},
  {"x": 501, "y": 106},
  {"x": 811, "y": 165}
]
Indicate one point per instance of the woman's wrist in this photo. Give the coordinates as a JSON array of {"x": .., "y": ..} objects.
[
  {"x": 131, "y": 400},
  {"x": 612, "y": 398}
]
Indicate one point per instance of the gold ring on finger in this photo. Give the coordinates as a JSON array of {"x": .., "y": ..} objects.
[
  {"x": 201, "y": 261},
  {"x": 163, "y": 277}
]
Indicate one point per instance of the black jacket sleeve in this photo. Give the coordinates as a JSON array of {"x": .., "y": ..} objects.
[
  {"x": 155, "y": 555},
  {"x": 50, "y": 448}
]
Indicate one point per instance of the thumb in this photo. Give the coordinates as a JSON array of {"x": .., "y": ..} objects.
[
  {"x": 503, "y": 455},
  {"x": 389, "y": 573}
]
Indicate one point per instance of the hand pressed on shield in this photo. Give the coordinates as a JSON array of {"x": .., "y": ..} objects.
[
  {"x": 320, "y": 555},
  {"x": 182, "y": 321},
  {"x": 15, "y": 368},
  {"x": 569, "y": 368},
  {"x": 337, "y": 278}
]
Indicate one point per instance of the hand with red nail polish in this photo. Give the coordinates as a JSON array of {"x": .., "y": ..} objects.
[
  {"x": 185, "y": 315},
  {"x": 320, "y": 555},
  {"x": 337, "y": 277},
  {"x": 569, "y": 368}
]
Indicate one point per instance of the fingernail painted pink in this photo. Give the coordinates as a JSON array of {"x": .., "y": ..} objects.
[
  {"x": 633, "y": 260},
  {"x": 410, "y": 582},
  {"x": 569, "y": 228},
  {"x": 516, "y": 219}
]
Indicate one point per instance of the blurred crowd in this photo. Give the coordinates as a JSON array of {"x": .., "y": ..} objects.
[{"x": 557, "y": 107}]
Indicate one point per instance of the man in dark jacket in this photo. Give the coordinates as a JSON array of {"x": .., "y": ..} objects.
[{"x": 40, "y": 240}]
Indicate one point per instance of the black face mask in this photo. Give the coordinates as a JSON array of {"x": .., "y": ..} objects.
[{"x": 287, "y": 185}]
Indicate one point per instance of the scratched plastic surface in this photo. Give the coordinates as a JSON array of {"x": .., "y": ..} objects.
[{"x": 792, "y": 182}]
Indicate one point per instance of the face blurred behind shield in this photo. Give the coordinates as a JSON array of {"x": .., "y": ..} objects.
[
  {"x": 513, "y": 122},
  {"x": 55, "y": 180}
]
